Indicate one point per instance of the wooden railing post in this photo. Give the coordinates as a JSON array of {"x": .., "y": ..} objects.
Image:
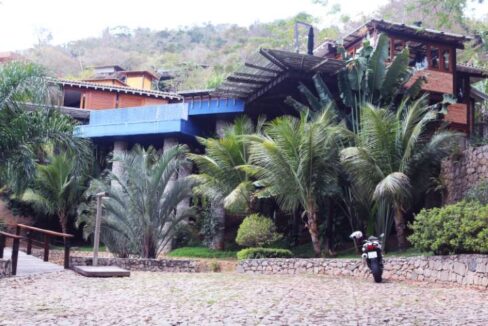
[
  {"x": 29, "y": 243},
  {"x": 2, "y": 244},
  {"x": 66, "y": 253},
  {"x": 15, "y": 255},
  {"x": 46, "y": 248}
]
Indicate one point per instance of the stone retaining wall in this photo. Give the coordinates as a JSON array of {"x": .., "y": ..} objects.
[
  {"x": 461, "y": 173},
  {"x": 139, "y": 264},
  {"x": 469, "y": 270},
  {"x": 5, "y": 268}
]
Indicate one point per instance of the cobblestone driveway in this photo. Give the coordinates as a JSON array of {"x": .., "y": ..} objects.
[{"x": 65, "y": 298}]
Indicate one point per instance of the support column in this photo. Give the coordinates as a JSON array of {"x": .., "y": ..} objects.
[
  {"x": 119, "y": 148},
  {"x": 167, "y": 144},
  {"x": 184, "y": 171},
  {"x": 220, "y": 127},
  {"x": 217, "y": 208}
]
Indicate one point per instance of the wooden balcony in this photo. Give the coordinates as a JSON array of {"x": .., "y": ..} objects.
[{"x": 437, "y": 81}]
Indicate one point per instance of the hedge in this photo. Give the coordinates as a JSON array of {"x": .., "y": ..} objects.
[
  {"x": 452, "y": 229},
  {"x": 256, "y": 253}
]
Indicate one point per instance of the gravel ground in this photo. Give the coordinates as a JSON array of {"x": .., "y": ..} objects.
[{"x": 64, "y": 298}]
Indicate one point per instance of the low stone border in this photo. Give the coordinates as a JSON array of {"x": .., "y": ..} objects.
[
  {"x": 140, "y": 264},
  {"x": 471, "y": 270},
  {"x": 5, "y": 268}
]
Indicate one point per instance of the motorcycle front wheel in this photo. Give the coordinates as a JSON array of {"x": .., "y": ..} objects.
[{"x": 376, "y": 270}]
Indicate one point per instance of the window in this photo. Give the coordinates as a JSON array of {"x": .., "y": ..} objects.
[
  {"x": 446, "y": 60},
  {"x": 418, "y": 55},
  {"x": 434, "y": 57}
]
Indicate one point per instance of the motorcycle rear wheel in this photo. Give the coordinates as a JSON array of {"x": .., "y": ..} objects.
[{"x": 376, "y": 270}]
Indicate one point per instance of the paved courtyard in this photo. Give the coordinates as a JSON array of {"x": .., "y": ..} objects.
[{"x": 64, "y": 298}]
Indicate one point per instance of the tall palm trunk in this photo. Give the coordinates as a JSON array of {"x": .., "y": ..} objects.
[
  {"x": 400, "y": 227},
  {"x": 218, "y": 213},
  {"x": 63, "y": 221},
  {"x": 313, "y": 229}
]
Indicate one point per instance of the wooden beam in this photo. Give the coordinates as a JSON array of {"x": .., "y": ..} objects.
[
  {"x": 230, "y": 95},
  {"x": 319, "y": 65},
  {"x": 246, "y": 80},
  {"x": 231, "y": 85},
  {"x": 233, "y": 91},
  {"x": 246, "y": 75},
  {"x": 268, "y": 87},
  {"x": 273, "y": 59},
  {"x": 250, "y": 65}
]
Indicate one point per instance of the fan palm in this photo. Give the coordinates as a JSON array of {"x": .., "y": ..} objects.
[
  {"x": 57, "y": 189},
  {"x": 140, "y": 211},
  {"x": 395, "y": 156},
  {"x": 227, "y": 187},
  {"x": 26, "y": 136},
  {"x": 296, "y": 161}
]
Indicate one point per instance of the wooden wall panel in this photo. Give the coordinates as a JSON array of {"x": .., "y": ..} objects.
[
  {"x": 457, "y": 113},
  {"x": 127, "y": 101},
  {"x": 99, "y": 100}
]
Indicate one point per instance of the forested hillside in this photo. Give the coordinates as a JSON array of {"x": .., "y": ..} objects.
[{"x": 201, "y": 56}]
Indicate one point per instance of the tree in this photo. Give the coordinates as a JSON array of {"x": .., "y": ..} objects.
[
  {"x": 140, "y": 211},
  {"x": 395, "y": 156},
  {"x": 57, "y": 189},
  {"x": 227, "y": 187},
  {"x": 296, "y": 162},
  {"x": 29, "y": 128}
]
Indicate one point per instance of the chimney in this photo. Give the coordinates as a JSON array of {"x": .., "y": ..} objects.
[{"x": 310, "y": 41}]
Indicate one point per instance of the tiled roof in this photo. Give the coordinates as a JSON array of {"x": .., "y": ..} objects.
[
  {"x": 412, "y": 30},
  {"x": 472, "y": 69},
  {"x": 118, "y": 89}
]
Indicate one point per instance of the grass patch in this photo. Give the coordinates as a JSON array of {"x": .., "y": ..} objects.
[{"x": 202, "y": 252}]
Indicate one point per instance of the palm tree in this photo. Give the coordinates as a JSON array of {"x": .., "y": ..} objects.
[
  {"x": 29, "y": 128},
  {"x": 57, "y": 189},
  {"x": 296, "y": 161},
  {"x": 140, "y": 211},
  {"x": 394, "y": 158},
  {"x": 227, "y": 187}
]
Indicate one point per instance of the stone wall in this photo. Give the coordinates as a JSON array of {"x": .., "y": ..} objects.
[
  {"x": 5, "y": 268},
  {"x": 469, "y": 270},
  {"x": 461, "y": 173},
  {"x": 139, "y": 264}
]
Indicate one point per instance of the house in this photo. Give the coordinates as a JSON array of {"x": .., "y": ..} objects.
[
  {"x": 123, "y": 109},
  {"x": 267, "y": 78},
  {"x": 113, "y": 87}
]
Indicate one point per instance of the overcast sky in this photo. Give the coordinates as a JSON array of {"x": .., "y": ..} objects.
[{"x": 67, "y": 20}]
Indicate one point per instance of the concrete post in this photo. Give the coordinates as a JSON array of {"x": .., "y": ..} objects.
[
  {"x": 217, "y": 208},
  {"x": 167, "y": 144},
  {"x": 219, "y": 127},
  {"x": 119, "y": 148},
  {"x": 184, "y": 171}
]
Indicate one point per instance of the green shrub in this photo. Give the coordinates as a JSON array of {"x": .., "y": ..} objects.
[
  {"x": 478, "y": 193},
  {"x": 256, "y": 253},
  {"x": 257, "y": 231},
  {"x": 457, "y": 228}
]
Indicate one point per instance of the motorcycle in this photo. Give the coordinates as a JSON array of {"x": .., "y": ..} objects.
[{"x": 372, "y": 254}]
